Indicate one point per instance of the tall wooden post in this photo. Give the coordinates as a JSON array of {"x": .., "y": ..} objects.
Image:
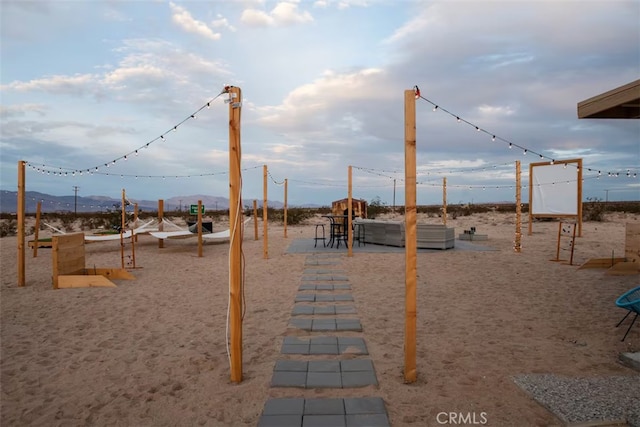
[
  {"x": 235, "y": 227},
  {"x": 411, "y": 242},
  {"x": 21, "y": 214},
  {"x": 518, "y": 237},
  {"x": 285, "y": 207},
  {"x": 255, "y": 219},
  {"x": 444, "y": 201},
  {"x": 122, "y": 229},
  {"x": 200, "y": 228},
  {"x": 579, "y": 198},
  {"x": 265, "y": 229},
  {"x": 347, "y": 222},
  {"x": 37, "y": 230},
  {"x": 134, "y": 238},
  {"x": 160, "y": 221}
]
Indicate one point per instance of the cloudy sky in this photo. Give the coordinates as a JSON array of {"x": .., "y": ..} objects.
[{"x": 84, "y": 83}]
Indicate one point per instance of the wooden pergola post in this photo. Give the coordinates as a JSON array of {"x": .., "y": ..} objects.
[
  {"x": 349, "y": 213},
  {"x": 255, "y": 219},
  {"x": 444, "y": 201},
  {"x": 160, "y": 221},
  {"x": 122, "y": 229},
  {"x": 411, "y": 243},
  {"x": 21, "y": 215},
  {"x": 37, "y": 229},
  {"x": 518, "y": 237},
  {"x": 285, "y": 207},
  {"x": 265, "y": 228},
  {"x": 235, "y": 243},
  {"x": 200, "y": 228}
]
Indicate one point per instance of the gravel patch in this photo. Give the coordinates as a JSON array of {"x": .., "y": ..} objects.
[{"x": 580, "y": 400}]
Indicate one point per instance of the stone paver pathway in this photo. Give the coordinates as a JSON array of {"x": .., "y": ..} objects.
[{"x": 324, "y": 309}]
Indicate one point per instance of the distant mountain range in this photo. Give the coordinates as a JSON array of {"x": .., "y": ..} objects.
[{"x": 49, "y": 203}]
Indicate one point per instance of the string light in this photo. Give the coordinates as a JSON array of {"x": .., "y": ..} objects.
[
  {"x": 493, "y": 136},
  {"x": 159, "y": 138}
]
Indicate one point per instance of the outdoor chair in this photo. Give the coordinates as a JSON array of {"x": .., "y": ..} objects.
[{"x": 630, "y": 301}]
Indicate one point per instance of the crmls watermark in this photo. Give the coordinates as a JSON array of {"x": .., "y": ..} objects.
[{"x": 462, "y": 418}]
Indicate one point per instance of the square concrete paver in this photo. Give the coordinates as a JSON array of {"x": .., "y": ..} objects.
[
  {"x": 330, "y": 412},
  {"x": 325, "y": 324},
  {"x": 324, "y": 373},
  {"x": 324, "y": 345}
]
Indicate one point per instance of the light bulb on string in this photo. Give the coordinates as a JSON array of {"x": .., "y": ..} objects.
[
  {"x": 175, "y": 128},
  {"x": 458, "y": 119},
  {"x": 524, "y": 153},
  {"x": 435, "y": 108},
  {"x": 193, "y": 116},
  {"x": 477, "y": 128},
  {"x": 493, "y": 138},
  {"x": 510, "y": 145},
  {"x": 208, "y": 105}
]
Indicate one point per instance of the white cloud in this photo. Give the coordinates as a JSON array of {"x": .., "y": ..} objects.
[
  {"x": 496, "y": 111},
  {"x": 283, "y": 14},
  {"x": 79, "y": 84},
  {"x": 188, "y": 23},
  {"x": 21, "y": 110},
  {"x": 221, "y": 22}
]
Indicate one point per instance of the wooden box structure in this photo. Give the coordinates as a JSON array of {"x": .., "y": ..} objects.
[
  {"x": 69, "y": 269},
  {"x": 358, "y": 207}
]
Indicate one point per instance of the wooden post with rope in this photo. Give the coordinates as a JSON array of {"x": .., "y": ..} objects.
[
  {"x": 410, "y": 373},
  {"x": 235, "y": 228}
]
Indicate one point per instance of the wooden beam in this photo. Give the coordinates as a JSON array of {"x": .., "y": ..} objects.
[
  {"x": 265, "y": 228},
  {"x": 160, "y": 222},
  {"x": 410, "y": 372},
  {"x": 348, "y": 223},
  {"x": 620, "y": 103},
  {"x": 235, "y": 242},
  {"x": 200, "y": 228},
  {"x": 285, "y": 207},
  {"x": 255, "y": 219},
  {"x": 21, "y": 215},
  {"x": 37, "y": 227},
  {"x": 517, "y": 247}
]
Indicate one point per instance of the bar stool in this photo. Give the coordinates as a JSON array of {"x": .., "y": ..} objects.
[
  {"x": 319, "y": 227},
  {"x": 359, "y": 233}
]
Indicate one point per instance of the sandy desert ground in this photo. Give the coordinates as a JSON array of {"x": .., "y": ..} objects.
[{"x": 152, "y": 351}]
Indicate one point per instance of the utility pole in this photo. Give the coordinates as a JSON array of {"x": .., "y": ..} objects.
[
  {"x": 75, "y": 204},
  {"x": 394, "y": 195},
  {"x": 180, "y": 208}
]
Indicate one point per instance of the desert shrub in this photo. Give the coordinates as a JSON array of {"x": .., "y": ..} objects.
[
  {"x": 8, "y": 227},
  {"x": 594, "y": 210},
  {"x": 377, "y": 207}
]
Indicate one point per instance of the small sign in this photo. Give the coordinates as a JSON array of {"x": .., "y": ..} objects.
[{"x": 193, "y": 209}]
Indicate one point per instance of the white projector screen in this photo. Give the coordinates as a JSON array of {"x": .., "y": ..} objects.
[{"x": 554, "y": 189}]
